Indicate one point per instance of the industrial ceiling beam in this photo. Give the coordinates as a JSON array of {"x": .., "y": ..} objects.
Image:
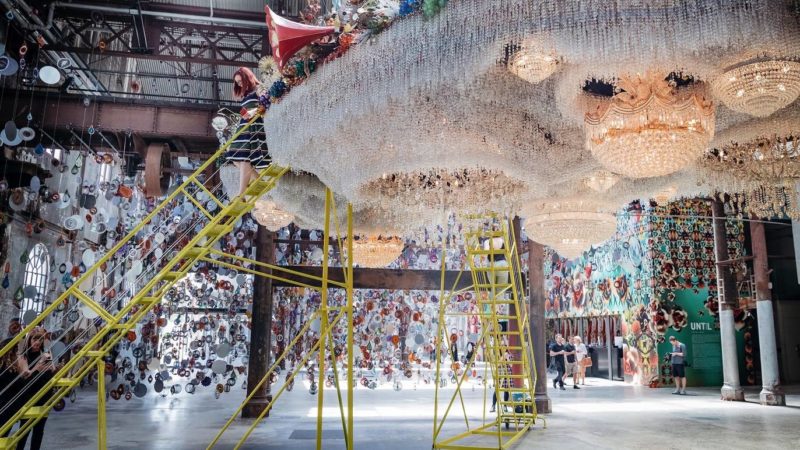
[
  {"x": 152, "y": 56},
  {"x": 397, "y": 279},
  {"x": 189, "y": 122}
]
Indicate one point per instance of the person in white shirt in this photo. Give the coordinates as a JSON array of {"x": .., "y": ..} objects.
[{"x": 581, "y": 352}]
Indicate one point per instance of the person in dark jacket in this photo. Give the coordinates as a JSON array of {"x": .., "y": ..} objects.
[
  {"x": 10, "y": 381},
  {"x": 37, "y": 368}
]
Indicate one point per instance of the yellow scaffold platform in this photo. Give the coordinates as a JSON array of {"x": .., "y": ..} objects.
[{"x": 505, "y": 337}]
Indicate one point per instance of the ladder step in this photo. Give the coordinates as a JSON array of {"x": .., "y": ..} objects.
[
  {"x": 35, "y": 412},
  {"x": 498, "y": 317},
  {"x": 172, "y": 276},
  {"x": 485, "y": 234},
  {"x": 119, "y": 326},
  {"x": 195, "y": 252},
  {"x": 236, "y": 209},
  {"x": 259, "y": 186},
  {"x": 273, "y": 170},
  {"x": 147, "y": 300},
  {"x": 505, "y": 347},
  {"x": 496, "y": 285},
  {"x": 216, "y": 230},
  {"x": 95, "y": 354},
  {"x": 67, "y": 382},
  {"x": 497, "y": 251},
  {"x": 512, "y": 376},
  {"x": 512, "y": 389},
  {"x": 492, "y": 269}
]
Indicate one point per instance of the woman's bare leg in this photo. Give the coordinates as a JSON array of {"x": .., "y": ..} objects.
[{"x": 246, "y": 174}]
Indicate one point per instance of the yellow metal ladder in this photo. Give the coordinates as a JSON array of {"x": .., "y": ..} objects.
[
  {"x": 214, "y": 219},
  {"x": 505, "y": 329}
]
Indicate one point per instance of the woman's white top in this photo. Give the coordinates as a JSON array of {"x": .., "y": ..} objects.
[{"x": 580, "y": 351}]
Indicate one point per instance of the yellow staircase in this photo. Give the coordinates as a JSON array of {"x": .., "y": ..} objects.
[
  {"x": 215, "y": 220},
  {"x": 495, "y": 269}
]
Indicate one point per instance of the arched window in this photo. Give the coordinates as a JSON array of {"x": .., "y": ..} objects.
[{"x": 36, "y": 272}]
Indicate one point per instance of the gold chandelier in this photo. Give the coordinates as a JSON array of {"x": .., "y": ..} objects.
[
  {"x": 650, "y": 128},
  {"x": 376, "y": 251},
  {"x": 267, "y": 213},
  {"x": 570, "y": 226},
  {"x": 759, "y": 88},
  {"x": 533, "y": 63}
]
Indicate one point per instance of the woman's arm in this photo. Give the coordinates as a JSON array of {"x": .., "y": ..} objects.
[{"x": 22, "y": 366}]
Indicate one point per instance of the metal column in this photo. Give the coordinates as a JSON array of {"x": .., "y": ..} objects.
[
  {"x": 537, "y": 321},
  {"x": 771, "y": 392},
  {"x": 726, "y": 290},
  {"x": 261, "y": 332}
]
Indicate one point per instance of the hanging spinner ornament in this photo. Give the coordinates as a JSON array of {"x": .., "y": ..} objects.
[
  {"x": 6, "y": 270},
  {"x": 19, "y": 294},
  {"x": 78, "y": 164}
]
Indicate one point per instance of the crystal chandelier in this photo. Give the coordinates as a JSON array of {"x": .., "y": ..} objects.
[
  {"x": 533, "y": 63},
  {"x": 570, "y": 226},
  {"x": 759, "y": 88},
  {"x": 601, "y": 181},
  {"x": 376, "y": 251},
  {"x": 270, "y": 216},
  {"x": 663, "y": 196},
  {"x": 650, "y": 128}
]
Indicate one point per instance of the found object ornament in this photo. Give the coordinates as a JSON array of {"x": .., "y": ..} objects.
[
  {"x": 650, "y": 128},
  {"x": 758, "y": 88}
]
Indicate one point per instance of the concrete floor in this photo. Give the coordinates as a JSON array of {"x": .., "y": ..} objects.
[{"x": 602, "y": 415}]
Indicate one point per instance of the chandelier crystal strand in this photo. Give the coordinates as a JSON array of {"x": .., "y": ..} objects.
[
  {"x": 454, "y": 90},
  {"x": 758, "y": 88},
  {"x": 376, "y": 251},
  {"x": 650, "y": 128}
]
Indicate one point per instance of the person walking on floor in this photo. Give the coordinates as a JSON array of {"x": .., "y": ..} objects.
[
  {"x": 557, "y": 352},
  {"x": 583, "y": 361},
  {"x": 678, "y": 358},
  {"x": 572, "y": 366}
]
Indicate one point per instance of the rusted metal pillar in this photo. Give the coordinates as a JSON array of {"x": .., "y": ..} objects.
[
  {"x": 537, "y": 299},
  {"x": 261, "y": 330},
  {"x": 771, "y": 392},
  {"x": 727, "y": 293}
]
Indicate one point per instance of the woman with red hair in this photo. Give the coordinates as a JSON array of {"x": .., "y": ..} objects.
[{"x": 249, "y": 150}]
